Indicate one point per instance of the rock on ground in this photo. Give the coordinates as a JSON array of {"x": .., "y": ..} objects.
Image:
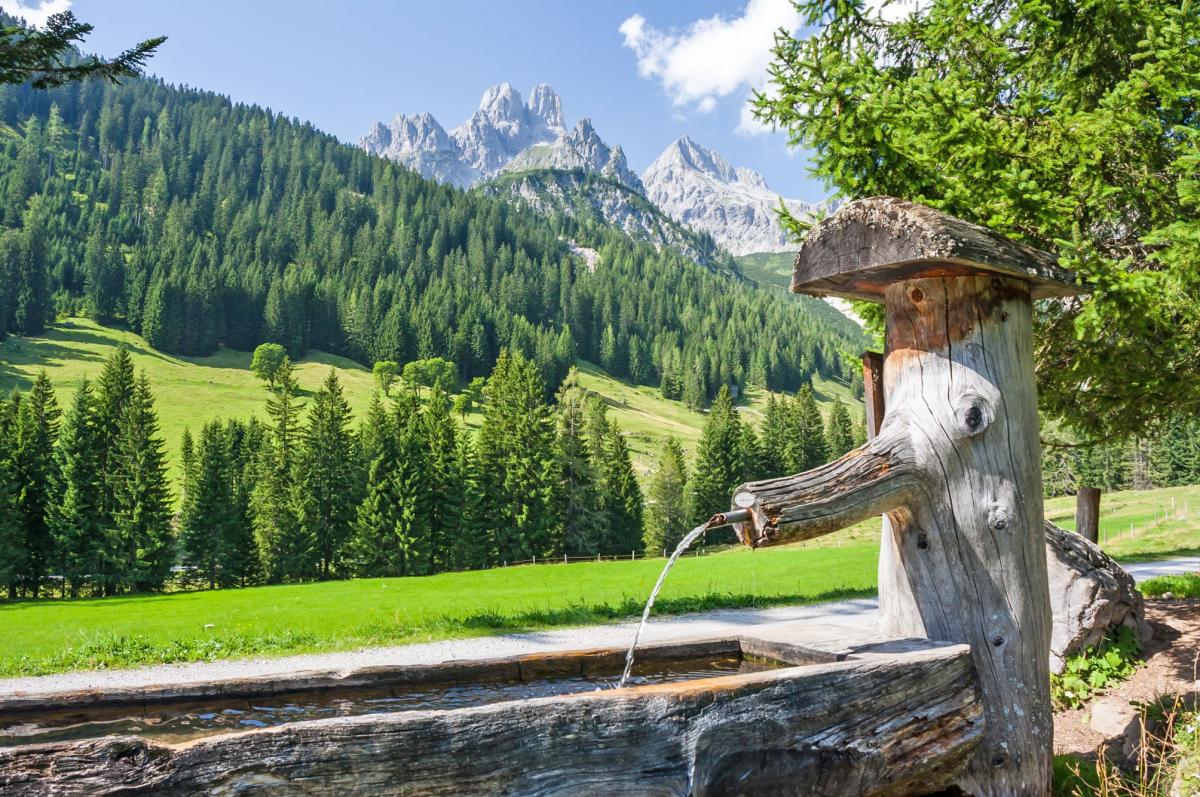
[{"x": 1091, "y": 596}]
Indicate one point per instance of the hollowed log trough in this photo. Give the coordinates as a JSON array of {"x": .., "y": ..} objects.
[{"x": 850, "y": 717}]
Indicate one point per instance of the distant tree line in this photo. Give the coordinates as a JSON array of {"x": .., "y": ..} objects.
[
  {"x": 200, "y": 223},
  {"x": 1168, "y": 458}
]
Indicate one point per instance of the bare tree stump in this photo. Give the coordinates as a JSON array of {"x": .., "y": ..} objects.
[{"x": 1087, "y": 513}]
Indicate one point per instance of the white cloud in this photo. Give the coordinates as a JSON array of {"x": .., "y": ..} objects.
[
  {"x": 750, "y": 126},
  {"x": 714, "y": 57},
  {"x": 36, "y": 12}
]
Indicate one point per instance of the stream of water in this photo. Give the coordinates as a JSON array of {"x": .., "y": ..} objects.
[{"x": 684, "y": 544}]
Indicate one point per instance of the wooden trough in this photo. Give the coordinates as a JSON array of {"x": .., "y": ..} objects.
[{"x": 846, "y": 714}]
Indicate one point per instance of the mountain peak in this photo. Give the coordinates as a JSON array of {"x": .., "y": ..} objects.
[
  {"x": 502, "y": 103},
  {"x": 696, "y": 186},
  {"x": 545, "y": 105},
  {"x": 686, "y": 153}
]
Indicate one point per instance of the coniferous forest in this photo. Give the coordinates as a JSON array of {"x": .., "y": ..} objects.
[
  {"x": 200, "y": 223},
  {"x": 86, "y": 507}
]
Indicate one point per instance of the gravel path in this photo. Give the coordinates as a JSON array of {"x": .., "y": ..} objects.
[{"x": 858, "y": 614}]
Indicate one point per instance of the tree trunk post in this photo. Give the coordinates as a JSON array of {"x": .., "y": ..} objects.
[
  {"x": 1087, "y": 513},
  {"x": 956, "y": 465}
]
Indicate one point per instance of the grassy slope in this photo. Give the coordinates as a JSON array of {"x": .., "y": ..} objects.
[
  {"x": 192, "y": 390},
  {"x": 648, "y": 419},
  {"x": 188, "y": 390},
  {"x": 768, "y": 268}
]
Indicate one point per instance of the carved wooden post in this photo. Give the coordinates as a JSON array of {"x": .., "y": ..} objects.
[{"x": 956, "y": 464}]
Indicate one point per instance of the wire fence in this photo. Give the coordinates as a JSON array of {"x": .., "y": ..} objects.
[{"x": 632, "y": 556}]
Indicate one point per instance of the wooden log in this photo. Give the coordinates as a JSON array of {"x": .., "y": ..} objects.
[
  {"x": 956, "y": 466},
  {"x": 871, "y": 479},
  {"x": 1087, "y": 513},
  {"x": 887, "y": 724}
]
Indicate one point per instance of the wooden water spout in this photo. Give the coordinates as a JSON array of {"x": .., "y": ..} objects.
[{"x": 956, "y": 463}]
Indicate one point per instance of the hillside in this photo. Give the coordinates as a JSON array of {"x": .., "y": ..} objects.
[
  {"x": 193, "y": 390},
  {"x": 594, "y": 199},
  {"x": 768, "y": 269},
  {"x": 200, "y": 224}
]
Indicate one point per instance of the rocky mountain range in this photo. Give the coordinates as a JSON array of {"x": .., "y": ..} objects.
[
  {"x": 698, "y": 188},
  {"x": 501, "y": 128},
  {"x": 508, "y": 136}
]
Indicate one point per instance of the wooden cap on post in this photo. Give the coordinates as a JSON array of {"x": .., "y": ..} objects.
[{"x": 868, "y": 244}]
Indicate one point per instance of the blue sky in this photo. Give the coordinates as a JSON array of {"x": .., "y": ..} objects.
[{"x": 645, "y": 71}]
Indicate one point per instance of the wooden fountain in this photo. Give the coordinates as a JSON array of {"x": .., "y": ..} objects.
[
  {"x": 955, "y": 466},
  {"x": 952, "y": 695}
]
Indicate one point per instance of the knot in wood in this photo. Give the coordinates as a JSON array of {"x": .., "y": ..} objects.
[
  {"x": 998, "y": 517},
  {"x": 973, "y": 413}
]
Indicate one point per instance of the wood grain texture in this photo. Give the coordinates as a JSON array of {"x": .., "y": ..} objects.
[
  {"x": 871, "y": 243},
  {"x": 884, "y": 725},
  {"x": 956, "y": 468}
]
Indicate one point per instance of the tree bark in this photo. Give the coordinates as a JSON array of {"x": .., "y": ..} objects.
[
  {"x": 1087, "y": 513},
  {"x": 957, "y": 469}
]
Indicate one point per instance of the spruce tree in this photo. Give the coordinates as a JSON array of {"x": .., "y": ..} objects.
[
  {"x": 12, "y": 542},
  {"x": 517, "y": 464},
  {"x": 773, "y": 440},
  {"x": 473, "y": 548},
  {"x": 285, "y": 548},
  {"x": 206, "y": 515},
  {"x": 33, "y": 457},
  {"x": 620, "y": 495},
  {"x": 444, "y": 479},
  {"x": 581, "y": 519},
  {"x": 114, "y": 393},
  {"x": 79, "y": 531},
  {"x": 719, "y": 466},
  {"x": 806, "y": 447},
  {"x": 373, "y": 545},
  {"x": 411, "y": 542},
  {"x": 187, "y": 463},
  {"x": 328, "y": 481},
  {"x": 141, "y": 495},
  {"x": 667, "y": 517},
  {"x": 239, "y": 563},
  {"x": 840, "y": 431}
]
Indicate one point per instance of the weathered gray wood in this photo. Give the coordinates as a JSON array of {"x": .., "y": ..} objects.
[
  {"x": 956, "y": 466},
  {"x": 883, "y": 725},
  {"x": 1087, "y": 513},
  {"x": 867, "y": 481},
  {"x": 871, "y": 243}
]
